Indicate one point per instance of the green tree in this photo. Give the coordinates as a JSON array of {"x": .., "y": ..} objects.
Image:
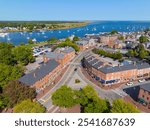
[
  {"x": 114, "y": 32},
  {"x": 121, "y": 38},
  {"x": 6, "y": 56},
  {"x": 143, "y": 39},
  {"x": 64, "y": 97},
  {"x": 3, "y": 102},
  {"x": 70, "y": 44},
  {"x": 91, "y": 102},
  {"x": 130, "y": 53},
  {"x": 75, "y": 39},
  {"x": 17, "y": 92},
  {"x": 118, "y": 55},
  {"x": 27, "y": 106},
  {"x": 53, "y": 40},
  {"x": 135, "y": 53},
  {"x": 143, "y": 54},
  {"x": 23, "y": 55},
  {"x": 30, "y": 41},
  {"x": 67, "y": 40},
  {"x": 8, "y": 73},
  {"x": 120, "y": 106}
]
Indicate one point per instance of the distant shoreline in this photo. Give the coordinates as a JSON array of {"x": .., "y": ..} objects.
[{"x": 81, "y": 24}]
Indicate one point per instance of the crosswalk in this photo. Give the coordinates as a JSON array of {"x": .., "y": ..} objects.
[{"x": 53, "y": 109}]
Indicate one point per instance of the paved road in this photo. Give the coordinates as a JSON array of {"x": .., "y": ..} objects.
[
  {"x": 110, "y": 95},
  {"x": 46, "y": 100}
]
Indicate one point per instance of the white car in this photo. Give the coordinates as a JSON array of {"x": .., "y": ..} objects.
[
  {"x": 141, "y": 80},
  {"x": 130, "y": 84}
]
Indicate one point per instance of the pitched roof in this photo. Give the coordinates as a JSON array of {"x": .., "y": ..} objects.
[
  {"x": 109, "y": 69},
  {"x": 65, "y": 49},
  {"x": 145, "y": 87},
  {"x": 53, "y": 55},
  {"x": 143, "y": 65},
  {"x": 83, "y": 43},
  {"x": 39, "y": 73}
]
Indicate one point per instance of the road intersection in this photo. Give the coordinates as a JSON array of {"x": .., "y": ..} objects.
[{"x": 67, "y": 77}]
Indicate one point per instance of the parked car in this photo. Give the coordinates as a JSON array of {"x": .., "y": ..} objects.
[
  {"x": 75, "y": 69},
  {"x": 141, "y": 80},
  {"x": 130, "y": 84}
]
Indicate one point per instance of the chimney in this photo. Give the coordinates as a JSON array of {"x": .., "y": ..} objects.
[
  {"x": 134, "y": 63},
  {"x": 34, "y": 75}
]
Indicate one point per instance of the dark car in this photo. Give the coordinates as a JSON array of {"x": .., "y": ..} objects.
[{"x": 75, "y": 69}]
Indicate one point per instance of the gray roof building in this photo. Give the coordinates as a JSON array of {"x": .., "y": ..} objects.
[
  {"x": 124, "y": 68},
  {"x": 110, "y": 69},
  {"x": 53, "y": 55},
  {"x": 64, "y": 50},
  {"x": 91, "y": 60},
  {"x": 82, "y": 43},
  {"x": 145, "y": 87},
  {"x": 143, "y": 65},
  {"x": 39, "y": 73}
]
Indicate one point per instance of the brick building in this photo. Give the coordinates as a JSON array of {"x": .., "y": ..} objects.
[
  {"x": 42, "y": 76},
  {"x": 144, "y": 94},
  {"x": 86, "y": 43},
  {"x": 109, "y": 40},
  {"x": 108, "y": 74},
  {"x": 83, "y": 45},
  {"x": 62, "y": 55}
]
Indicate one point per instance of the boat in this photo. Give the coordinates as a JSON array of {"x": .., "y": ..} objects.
[
  {"x": 3, "y": 34},
  {"x": 34, "y": 40},
  {"x": 94, "y": 29}
]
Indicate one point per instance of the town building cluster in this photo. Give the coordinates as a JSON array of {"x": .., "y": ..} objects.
[
  {"x": 108, "y": 74},
  {"x": 53, "y": 64}
]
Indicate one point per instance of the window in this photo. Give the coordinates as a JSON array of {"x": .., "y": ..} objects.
[
  {"x": 147, "y": 98},
  {"x": 143, "y": 96}
]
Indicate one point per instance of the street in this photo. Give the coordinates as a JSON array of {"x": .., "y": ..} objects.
[{"x": 69, "y": 74}]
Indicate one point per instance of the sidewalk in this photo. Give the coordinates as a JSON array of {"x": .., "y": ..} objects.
[{"x": 47, "y": 89}]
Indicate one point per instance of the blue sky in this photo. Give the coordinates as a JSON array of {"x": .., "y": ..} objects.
[{"x": 74, "y": 9}]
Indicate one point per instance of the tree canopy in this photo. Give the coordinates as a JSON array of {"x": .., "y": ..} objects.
[
  {"x": 30, "y": 41},
  {"x": 64, "y": 97},
  {"x": 91, "y": 102},
  {"x": 114, "y": 56},
  {"x": 17, "y": 92},
  {"x": 52, "y": 40},
  {"x": 23, "y": 55},
  {"x": 114, "y": 32},
  {"x": 75, "y": 39},
  {"x": 143, "y": 39},
  {"x": 27, "y": 106},
  {"x": 139, "y": 52},
  {"x": 68, "y": 42},
  {"x": 120, "y": 106},
  {"x": 6, "y": 56},
  {"x": 8, "y": 73}
]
